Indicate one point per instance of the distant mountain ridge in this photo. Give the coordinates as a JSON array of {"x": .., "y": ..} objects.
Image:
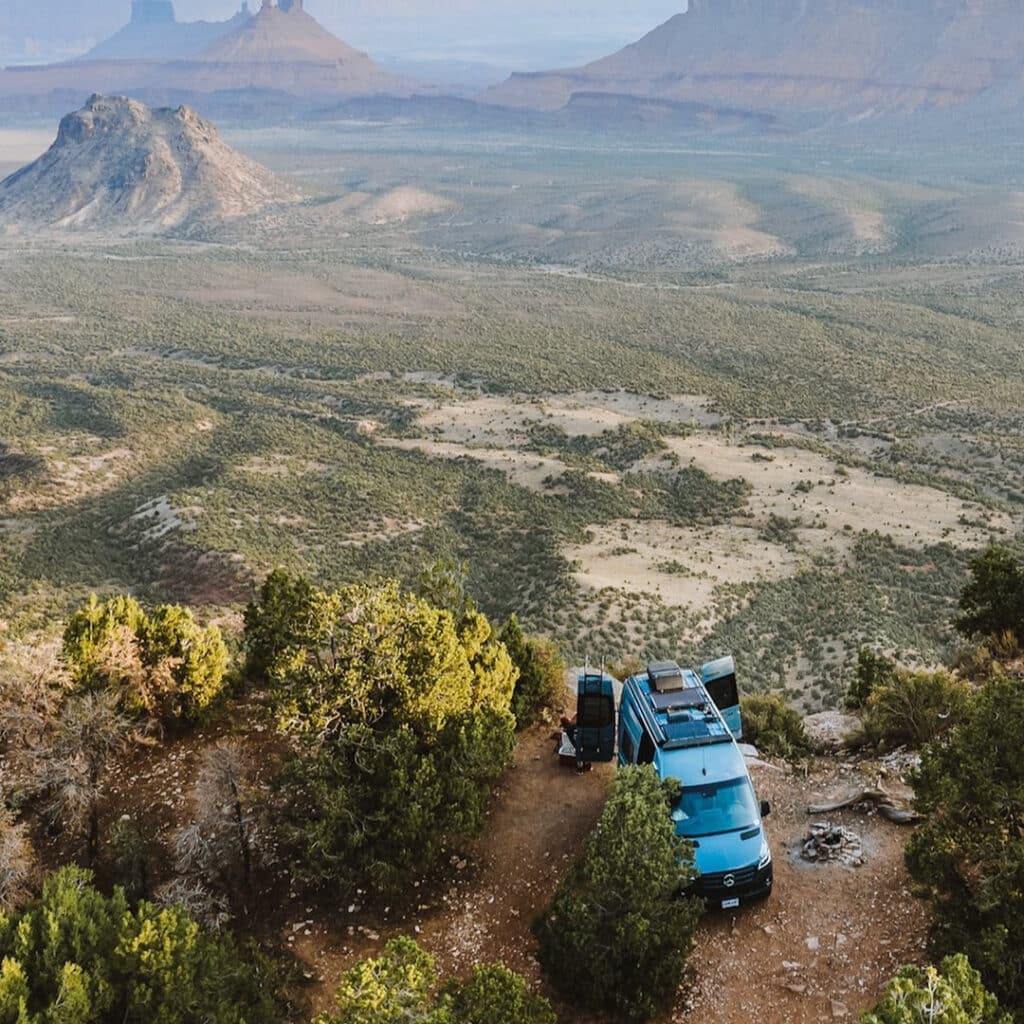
[
  {"x": 118, "y": 165},
  {"x": 154, "y": 33},
  {"x": 859, "y": 58},
  {"x": 281, "y": 49}
]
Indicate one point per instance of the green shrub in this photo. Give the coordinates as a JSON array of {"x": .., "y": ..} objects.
[
  {"x": 394, "y": 988},
  {"x": 384, "y": 656},
  {"x": 375, "y": 809},
  {"x": 541, "y": 682},
  {"x": 873, "y": 670},
  {"x": 774, "y": 727},
  {"x": 967, "y": 858},
  {"x": 401, "y": 718},
  {"x": 618, "y": 932},
  {"x": 79, "y": 957},
  {"x": 401, "y": 987},
  {"x": 161, "y": 663},
  {"x": 993, "y": 602},
  {"x": 286, "y": 625},
  {"x": 951, "y": 994},
  {"x": 914, "y": 708},
  {"x": 130, "y": 860},
  {"x": 495, "y": 995}
]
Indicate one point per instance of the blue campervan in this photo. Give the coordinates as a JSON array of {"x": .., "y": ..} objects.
[{"x": 686, "y": 725}]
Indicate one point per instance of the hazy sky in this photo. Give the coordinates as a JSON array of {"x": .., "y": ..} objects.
[{"x": 519, "y": 33}]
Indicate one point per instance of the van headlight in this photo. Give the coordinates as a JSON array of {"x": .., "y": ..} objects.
[{"x": 766, "y": 855}]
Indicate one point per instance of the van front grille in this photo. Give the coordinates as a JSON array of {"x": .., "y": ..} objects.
[{"x": 713, "y": 885}]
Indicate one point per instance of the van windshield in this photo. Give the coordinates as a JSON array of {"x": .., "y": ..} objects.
[{"x": 721, "y": 807}]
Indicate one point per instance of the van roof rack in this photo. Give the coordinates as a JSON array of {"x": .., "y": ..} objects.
[{"x": 678, "y": 718}]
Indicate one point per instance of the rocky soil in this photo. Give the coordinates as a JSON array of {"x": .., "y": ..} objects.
[{"x": 821, "y": 948}]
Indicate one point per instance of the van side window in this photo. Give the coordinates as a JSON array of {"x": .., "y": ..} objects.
[
  {"x": 646, "y": 749},
  {"x": 628, "y": 750},
  {"x": 724, "y": 692}
]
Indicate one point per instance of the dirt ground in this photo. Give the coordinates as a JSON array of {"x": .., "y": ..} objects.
[{"x": 822, "y": 947}]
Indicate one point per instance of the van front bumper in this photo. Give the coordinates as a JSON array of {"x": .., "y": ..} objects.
[{"x": 724, "y": 889}]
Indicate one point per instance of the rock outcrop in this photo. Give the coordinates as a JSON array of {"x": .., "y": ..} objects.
[
  {"x": 280, "y": 50},
  {"x": 858, "y": 58},
  {"x": 289, "y": 49},
  {"x": 154, "y": 33},
  {"x": 119, "y": 166}
]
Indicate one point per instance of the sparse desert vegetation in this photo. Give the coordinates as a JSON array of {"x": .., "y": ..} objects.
[{"x": 352, "y": 484}]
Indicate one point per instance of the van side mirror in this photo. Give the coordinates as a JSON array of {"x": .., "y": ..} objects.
[{"x": 766, "y": 808}]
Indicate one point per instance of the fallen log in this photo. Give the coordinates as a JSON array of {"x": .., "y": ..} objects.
[{"x": 892, "y": 808}]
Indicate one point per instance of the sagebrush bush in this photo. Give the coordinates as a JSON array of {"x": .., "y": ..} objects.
[
  {"x": 775, "y": 728},
  {"x": 914, "y": 708}
]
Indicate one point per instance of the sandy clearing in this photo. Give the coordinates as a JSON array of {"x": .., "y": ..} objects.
[
  {"x": 840, "y": 506},
  {"x": 401, "y": 204},
  {"x": 802, "y": 504},
  {"x": 493, "y": 421},
  {"x": 693, "y": 410},
  {"x": 801, "y": 486},
  {"x": 524, "y": 468},
  {"x": 501, "y": 421},
  {"x": 681, "y": 566},
  {"x": 715, "y": 213},
  {"x": 858, "y": 203}
]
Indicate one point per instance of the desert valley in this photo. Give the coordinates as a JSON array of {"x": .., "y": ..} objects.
[{"x": 711, "y": 346}]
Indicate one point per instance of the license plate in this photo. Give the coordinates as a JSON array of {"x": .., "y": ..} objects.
[{"x": 730, "y": 904}]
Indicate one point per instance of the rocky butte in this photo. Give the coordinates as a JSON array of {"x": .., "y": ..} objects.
[
  {"x": 154, "y": 33},
  {"x": 119, "y": 166},
  {"x": 282, "y": 49}
]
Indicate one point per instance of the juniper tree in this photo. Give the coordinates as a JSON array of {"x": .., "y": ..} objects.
[
  {"x": 617, "y": 934},
  {"x": 399, "y": 712},
  {"x": 159, "y": 663},
  {"x": 401, "y": 987},
  {"x": 967, "y": 857}
]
